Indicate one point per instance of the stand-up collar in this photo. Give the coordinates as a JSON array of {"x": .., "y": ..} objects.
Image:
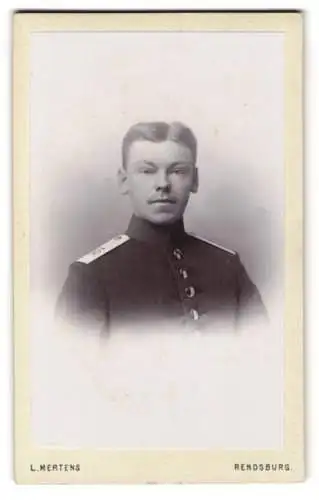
[{"x": 164, "y": 235}]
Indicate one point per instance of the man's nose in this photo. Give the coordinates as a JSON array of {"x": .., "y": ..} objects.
[{"x": 162, "y": 181}]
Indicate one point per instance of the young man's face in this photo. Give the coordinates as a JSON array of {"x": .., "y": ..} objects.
[{"x": 159, "y": 177}]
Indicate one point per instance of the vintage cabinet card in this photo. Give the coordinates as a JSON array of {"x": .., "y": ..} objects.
[{"x": 158, "y": 247}]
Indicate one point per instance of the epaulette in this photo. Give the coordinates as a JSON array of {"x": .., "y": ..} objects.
[
  {"x": 103, "y": 249},
  {"x": 215, "y": 245}
]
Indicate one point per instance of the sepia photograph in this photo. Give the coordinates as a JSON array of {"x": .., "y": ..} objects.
[{"x": 158, "y": 310}]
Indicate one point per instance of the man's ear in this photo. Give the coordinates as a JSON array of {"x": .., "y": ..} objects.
[
  {"x": 195, "y": 181},
  {"x": 122, "y": 180}
]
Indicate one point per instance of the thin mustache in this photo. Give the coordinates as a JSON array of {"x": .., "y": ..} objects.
[{"x": 158, "y": 200}]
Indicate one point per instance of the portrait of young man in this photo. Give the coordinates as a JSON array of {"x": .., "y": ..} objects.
[
  {"x": 157, "y": 239},
  {"x": 156, "y": 274}
]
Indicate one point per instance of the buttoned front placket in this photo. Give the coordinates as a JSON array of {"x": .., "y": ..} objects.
[
  {"x": 172, "y": 241},
  {"x": 186, "y": 288}
]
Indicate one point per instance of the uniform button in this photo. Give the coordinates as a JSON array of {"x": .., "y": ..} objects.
[
  {"x": 178, "y": 254},
  {"x": 190, "y": 291},
  {"x": 183, "y": 273},
  {"x": 194, "y": 314}
]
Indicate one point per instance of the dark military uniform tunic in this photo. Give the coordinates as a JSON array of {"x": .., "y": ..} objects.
[{"x": 159, "y": 275}]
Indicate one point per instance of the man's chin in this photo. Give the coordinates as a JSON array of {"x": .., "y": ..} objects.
[{"x": 162, "y": 219}]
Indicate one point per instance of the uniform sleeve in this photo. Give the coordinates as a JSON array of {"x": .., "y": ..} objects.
[
  {"x": 249, "y": 302},
  {"x": 81, "y": 301}
]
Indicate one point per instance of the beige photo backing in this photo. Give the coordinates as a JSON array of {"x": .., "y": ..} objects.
[{"x": 162, "y": 466}]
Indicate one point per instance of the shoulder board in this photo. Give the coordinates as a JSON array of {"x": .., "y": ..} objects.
[
  {"x": 103, "y": 249},
  {"x": 215, "y": 245}
]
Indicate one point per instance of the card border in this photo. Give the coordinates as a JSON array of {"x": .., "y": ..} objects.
[{"x": 162, "y": 466}]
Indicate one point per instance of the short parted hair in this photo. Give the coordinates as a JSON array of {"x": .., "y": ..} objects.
[{"x": 158, "y": 132}]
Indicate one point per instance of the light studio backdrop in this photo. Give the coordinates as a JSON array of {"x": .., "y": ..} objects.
[{"x": 86, "y": 90}]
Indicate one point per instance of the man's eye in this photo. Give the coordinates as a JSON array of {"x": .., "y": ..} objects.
[
  {"x": 146, "y": 170},
  {"x": 180, "y": 170}
]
